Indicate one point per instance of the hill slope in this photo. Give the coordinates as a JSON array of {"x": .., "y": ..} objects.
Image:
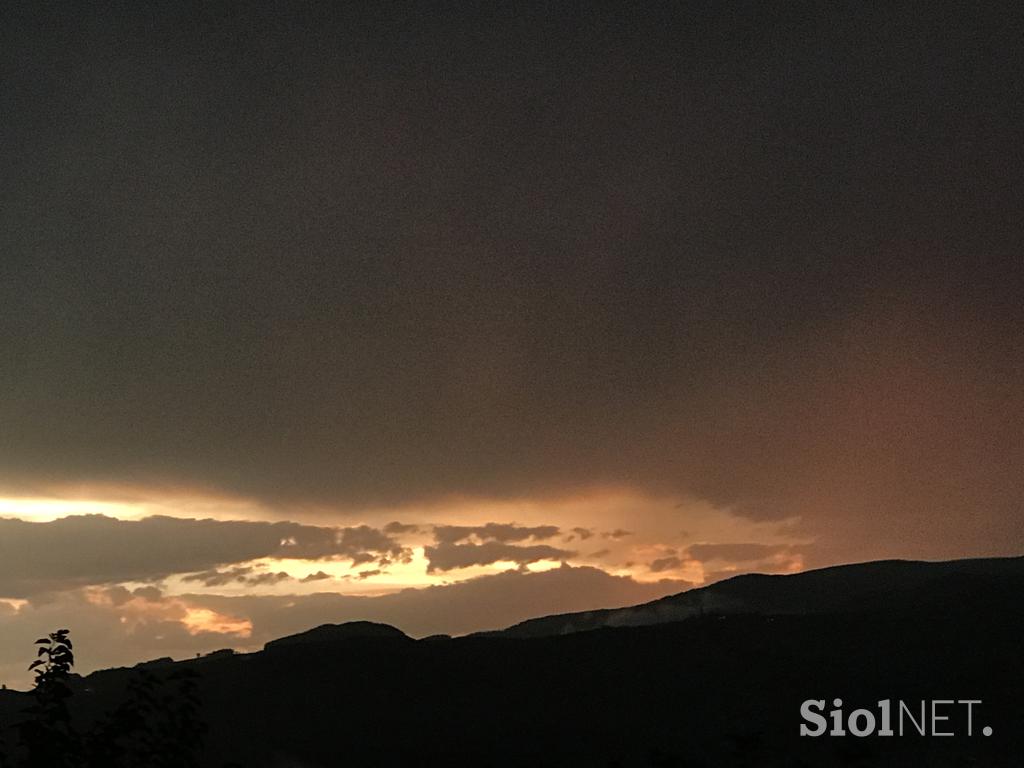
[{"x": 882, "y": 585}]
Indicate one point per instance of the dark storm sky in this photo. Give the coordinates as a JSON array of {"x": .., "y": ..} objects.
[{"x": 768, "y": 255}]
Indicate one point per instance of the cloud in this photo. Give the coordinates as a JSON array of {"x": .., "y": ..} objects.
[
  {"x": 446, "y": 556},
  {"x": 396, "y": 527},
  {"x": 500, "y": 532},
  {"x": 364, "y": 538},
  {"x": 618, "y": 533},
  {"x": 215, "y": 578},
  {"x": 151, "y": 594},
  {"x": 738, "y": 553},
  {"x": 583, "y": 533},
  {"x": 268, "y": 578},
  {"x": 318, "y": 576},
  {"x": 93, "y": 549},
  {"x": 665, "y": 564}
]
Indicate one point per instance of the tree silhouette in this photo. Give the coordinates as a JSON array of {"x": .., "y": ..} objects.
[
  {"x": 48, "y": 736},
  {"x": 156, "y": 724}
]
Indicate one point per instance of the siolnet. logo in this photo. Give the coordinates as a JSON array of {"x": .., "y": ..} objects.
[{"x": 928, "y": 717}]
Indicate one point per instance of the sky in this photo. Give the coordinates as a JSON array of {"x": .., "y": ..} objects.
[{"x": 450, "y": 317}]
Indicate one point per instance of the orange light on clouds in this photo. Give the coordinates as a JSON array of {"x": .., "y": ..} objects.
[
  {"x": 200, "y": 620},
  {"x": 620, "y": 530},
  {"x": 134, "y": 611}
]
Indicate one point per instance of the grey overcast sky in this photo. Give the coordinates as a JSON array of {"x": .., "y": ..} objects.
[{"x": 677, "y": 275}]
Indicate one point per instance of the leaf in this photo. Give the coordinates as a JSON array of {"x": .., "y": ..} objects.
[
  {"x": 43, "y": 640},
  {"x": 35, "y": 664}
]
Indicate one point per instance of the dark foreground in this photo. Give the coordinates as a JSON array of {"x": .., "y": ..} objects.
[{"x": 708, "y": 691}]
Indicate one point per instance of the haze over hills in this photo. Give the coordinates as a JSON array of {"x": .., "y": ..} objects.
[
  {"x": 881, "y": 585},
  {"x": 710, "y": 677}
]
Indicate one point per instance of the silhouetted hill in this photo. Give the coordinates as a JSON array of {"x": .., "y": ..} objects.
[
  {"x": 883, "y": 585},
  {"x": 329, "y": 633},
  {"x": 719, "y": 689}
]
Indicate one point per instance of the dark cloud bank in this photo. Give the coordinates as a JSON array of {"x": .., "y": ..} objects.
[
  {"x": 87, "y": 550},
  {"x": 93, "y": 549},
  {"x": 321, "y": 255}
]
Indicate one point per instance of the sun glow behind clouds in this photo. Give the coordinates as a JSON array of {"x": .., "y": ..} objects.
[
  {"x": 342, "y": 577},
  {"x": 131, "y": 503},
  {"x": 44, "y": 510},
  {"x": 618, "y": 530}
]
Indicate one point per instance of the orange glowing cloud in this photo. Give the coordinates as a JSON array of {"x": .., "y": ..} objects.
[
  {"x": 137, "y": 608},
  {"x": 200, "y": 620}
]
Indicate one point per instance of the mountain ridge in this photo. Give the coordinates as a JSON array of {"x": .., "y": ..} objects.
[{"x": 748, "y": 593}]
